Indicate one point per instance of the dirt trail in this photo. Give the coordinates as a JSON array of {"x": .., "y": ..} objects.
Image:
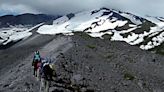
[{"x": 19, "y": 78}]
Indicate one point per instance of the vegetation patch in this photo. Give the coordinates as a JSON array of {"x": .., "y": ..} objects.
[
  {"x": 91, "y": 46},
  {"x": 128, "y": 76},
  {"x": 159, "y": 49}
]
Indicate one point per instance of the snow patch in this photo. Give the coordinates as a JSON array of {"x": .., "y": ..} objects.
[
  {"x": 16, "y": 33},
  {"x": 97, "y": 34},
  {"x": 18, "y": 36},
  {"x": 156, "y": 41}
]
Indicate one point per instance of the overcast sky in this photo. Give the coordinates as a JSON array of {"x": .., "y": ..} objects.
[{"x": 139, "y": 7}]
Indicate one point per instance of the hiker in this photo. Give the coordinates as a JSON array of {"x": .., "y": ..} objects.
[
  {"x": 46, "y": 76},
  {"x": 36, "y": 63}
]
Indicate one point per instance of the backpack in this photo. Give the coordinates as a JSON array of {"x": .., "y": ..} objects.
[
  {"x": 37, "y": 57},
  {"x": 47, "y": 72}
]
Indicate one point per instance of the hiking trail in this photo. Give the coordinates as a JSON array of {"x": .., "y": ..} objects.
[{"x": 20, "y": 78}]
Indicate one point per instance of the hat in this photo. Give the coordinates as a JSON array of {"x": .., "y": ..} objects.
[{"x": 37, "y": 52}]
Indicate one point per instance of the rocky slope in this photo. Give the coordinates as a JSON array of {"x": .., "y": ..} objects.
[
  {"x": 84, "y": 64},
  {"x": 96, "y": 65}
]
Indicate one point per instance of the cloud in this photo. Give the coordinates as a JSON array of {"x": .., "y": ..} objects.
[
  {"x": 15, "y": 9},
  {"x": 139, "y": 7}
]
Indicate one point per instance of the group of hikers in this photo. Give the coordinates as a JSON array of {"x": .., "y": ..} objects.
[{"x": 43, "y": 71}]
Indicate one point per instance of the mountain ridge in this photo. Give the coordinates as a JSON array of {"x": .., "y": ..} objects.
[{"x": 26, "y": 19}]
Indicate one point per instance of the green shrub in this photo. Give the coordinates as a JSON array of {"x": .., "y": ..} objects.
[
  {"x": 128, "y": 76},
  {"x": 91, "y": 46}
]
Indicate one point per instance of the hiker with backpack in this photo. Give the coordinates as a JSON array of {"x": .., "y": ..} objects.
[
  {"x": 46, "y": 75},
  {"x": 36, "y": 63},
  {"x": 43, "y": 70}
]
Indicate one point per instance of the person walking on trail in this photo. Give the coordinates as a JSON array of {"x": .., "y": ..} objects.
[
  {"x": 36, "y": 63},
  {"x": 46, "y": 76}
]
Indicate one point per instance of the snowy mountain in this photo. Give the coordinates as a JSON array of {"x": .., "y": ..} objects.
[{"x": 146, "y": 33}]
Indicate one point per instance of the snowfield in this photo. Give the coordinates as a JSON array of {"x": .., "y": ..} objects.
[
  {"x": 12, "y": 34},
  {"x": 15, "y": 34}
]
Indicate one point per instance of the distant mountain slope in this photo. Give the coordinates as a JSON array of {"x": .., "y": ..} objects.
[
  {"x": 16, "y": 28},
  {"x": 25, "y": 19},
  {"x": 146, "y": 32}
]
